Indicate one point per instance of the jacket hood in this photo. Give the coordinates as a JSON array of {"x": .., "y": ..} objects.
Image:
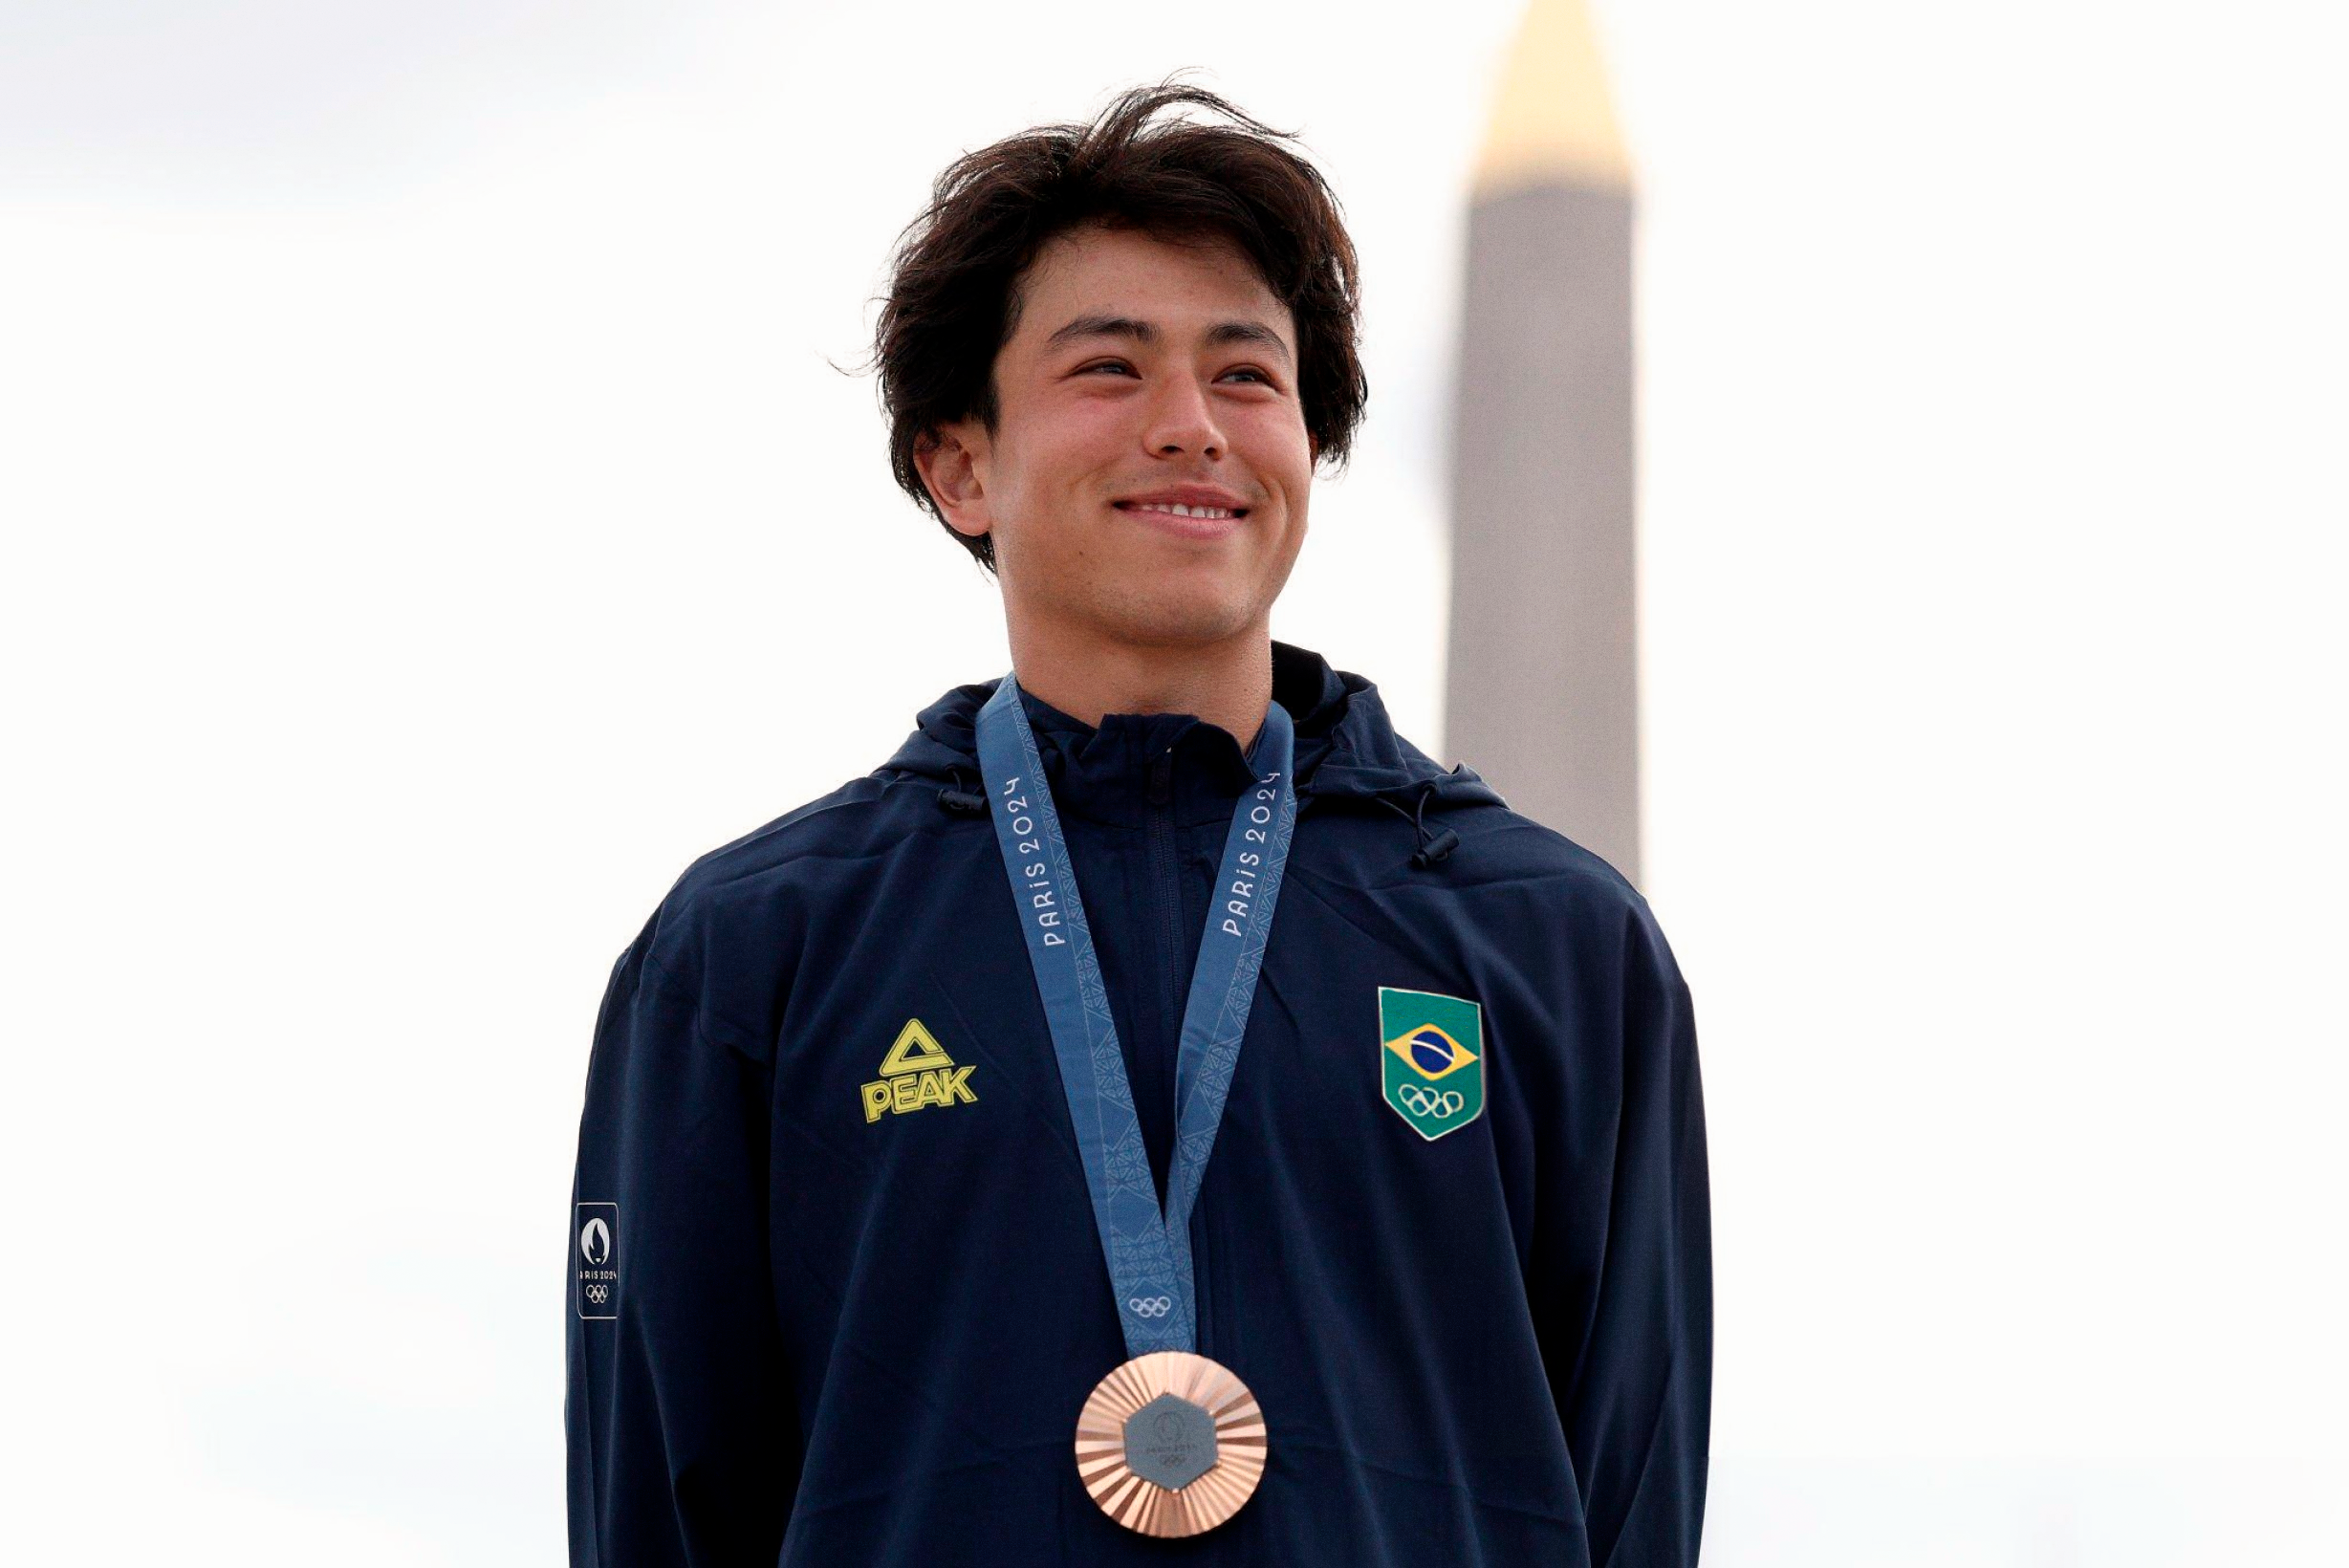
[{"x": 1348, "y": 753}]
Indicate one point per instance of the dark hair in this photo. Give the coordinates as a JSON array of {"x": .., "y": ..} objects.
[{"x": 952, "y": 300}]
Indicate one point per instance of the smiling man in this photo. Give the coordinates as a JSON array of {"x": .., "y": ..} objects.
[
  {"x": 1158, "y": 1115},
  {"x": 1146, "y": 478}
]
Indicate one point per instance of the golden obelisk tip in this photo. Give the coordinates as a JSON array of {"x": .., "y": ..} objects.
[{"x": 1553, "y": 120}]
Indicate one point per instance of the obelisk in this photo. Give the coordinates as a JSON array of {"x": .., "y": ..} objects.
[{"x": 1542, "y": 685}]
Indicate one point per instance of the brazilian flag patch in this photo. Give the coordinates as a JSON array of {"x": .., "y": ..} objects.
[{"x": 1432, "y": 1052}]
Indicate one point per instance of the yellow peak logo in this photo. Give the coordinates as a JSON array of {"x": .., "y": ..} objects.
[{"x": 917, "y": 1072}]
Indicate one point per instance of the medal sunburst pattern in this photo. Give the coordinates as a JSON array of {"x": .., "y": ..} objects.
[{"x": 1142, "y": 1505}]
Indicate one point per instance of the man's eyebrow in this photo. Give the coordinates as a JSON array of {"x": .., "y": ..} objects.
[
  {"x": 1247, "y": 332},
  {"x": 1105, "y": 326},
  {"x": 1101, "y": 325}
]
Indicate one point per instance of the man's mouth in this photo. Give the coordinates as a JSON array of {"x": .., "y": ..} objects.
[{"x": 1177, "y": 509}]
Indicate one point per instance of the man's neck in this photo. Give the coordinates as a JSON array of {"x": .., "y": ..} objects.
[{"x": 1227, "y": 684}]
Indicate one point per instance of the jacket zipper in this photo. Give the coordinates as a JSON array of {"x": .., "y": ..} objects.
[
  {"x": 1166, "y": 900},
  {"x": 1166, "y": 888}
]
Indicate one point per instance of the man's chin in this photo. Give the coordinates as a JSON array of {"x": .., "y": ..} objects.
[{"x": 1174, "y": 619}]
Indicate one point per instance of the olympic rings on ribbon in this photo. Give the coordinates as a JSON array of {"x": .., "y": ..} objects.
[
  {"x": 1421, "y": 1101},
  {"x": 596, "y": 1294},
  {"x": 1150, "y": 1306}
]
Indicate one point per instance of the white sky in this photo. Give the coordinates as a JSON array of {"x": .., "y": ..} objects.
[{"x": 432, "y": 520}]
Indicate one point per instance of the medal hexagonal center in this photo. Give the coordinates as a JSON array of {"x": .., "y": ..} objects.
[{"x": 1170, "y": 1441}]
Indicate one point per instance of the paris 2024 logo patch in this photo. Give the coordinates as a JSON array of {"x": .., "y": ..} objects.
[
  {"x": 595, "y": 1257},
  {"x": 1433, "y": 1056}
]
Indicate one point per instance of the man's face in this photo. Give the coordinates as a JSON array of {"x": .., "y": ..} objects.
[{"x": 1141, "y": 376}]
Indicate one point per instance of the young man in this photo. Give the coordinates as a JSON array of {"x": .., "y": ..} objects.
[{"x": 1323, "y": 1184}]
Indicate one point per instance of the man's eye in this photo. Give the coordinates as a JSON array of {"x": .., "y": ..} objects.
[
  {"x": 1107, "y": 364},
  {"x": 1259, "y": 375}
]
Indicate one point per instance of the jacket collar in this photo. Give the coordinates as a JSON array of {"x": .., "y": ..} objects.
[{"x": 1347, "y": 751}]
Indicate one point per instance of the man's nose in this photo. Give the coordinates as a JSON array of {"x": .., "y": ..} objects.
[{"x": 1182, "y": 421}]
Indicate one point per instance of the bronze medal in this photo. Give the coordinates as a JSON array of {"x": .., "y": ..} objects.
[{"x": 1170, "y": 1444}]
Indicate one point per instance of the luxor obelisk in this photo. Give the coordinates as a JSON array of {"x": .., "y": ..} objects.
[{"x": 1542, "y": 684}]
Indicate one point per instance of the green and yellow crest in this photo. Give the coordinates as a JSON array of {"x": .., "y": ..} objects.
[{"x": 1432, "y": 1048}]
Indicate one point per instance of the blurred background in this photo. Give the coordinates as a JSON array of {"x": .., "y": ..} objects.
[{"x": 432, "y": 516}]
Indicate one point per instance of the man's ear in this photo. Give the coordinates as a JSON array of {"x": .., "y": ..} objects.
[{"x": 953, "y": 464}]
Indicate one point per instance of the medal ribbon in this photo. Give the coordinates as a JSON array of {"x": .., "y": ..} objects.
[{"x": 1148, "y": 1253}]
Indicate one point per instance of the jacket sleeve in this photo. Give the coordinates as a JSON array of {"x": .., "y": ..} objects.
[
  {"x": 1633, "y": 1376},
  {"x": 682, "y": 1437}
]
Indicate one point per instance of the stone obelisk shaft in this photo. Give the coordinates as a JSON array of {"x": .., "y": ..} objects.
[{"x": 1542, "y": 685}]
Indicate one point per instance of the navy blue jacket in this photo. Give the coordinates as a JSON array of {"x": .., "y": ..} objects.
[{"x": 835, "y": 1295}]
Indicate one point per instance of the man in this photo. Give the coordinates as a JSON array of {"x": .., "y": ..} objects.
[{"x": 891, "y": 1244}]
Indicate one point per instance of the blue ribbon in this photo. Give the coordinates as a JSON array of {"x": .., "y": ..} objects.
[{"x": 1148, "y": 1253}]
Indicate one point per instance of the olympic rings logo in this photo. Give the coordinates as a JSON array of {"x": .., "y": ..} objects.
[
  {"x": 1421, "y": 1101},
  {"x": 1150, "y": 1306},
  {"x": 597, "y": 1295}
]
